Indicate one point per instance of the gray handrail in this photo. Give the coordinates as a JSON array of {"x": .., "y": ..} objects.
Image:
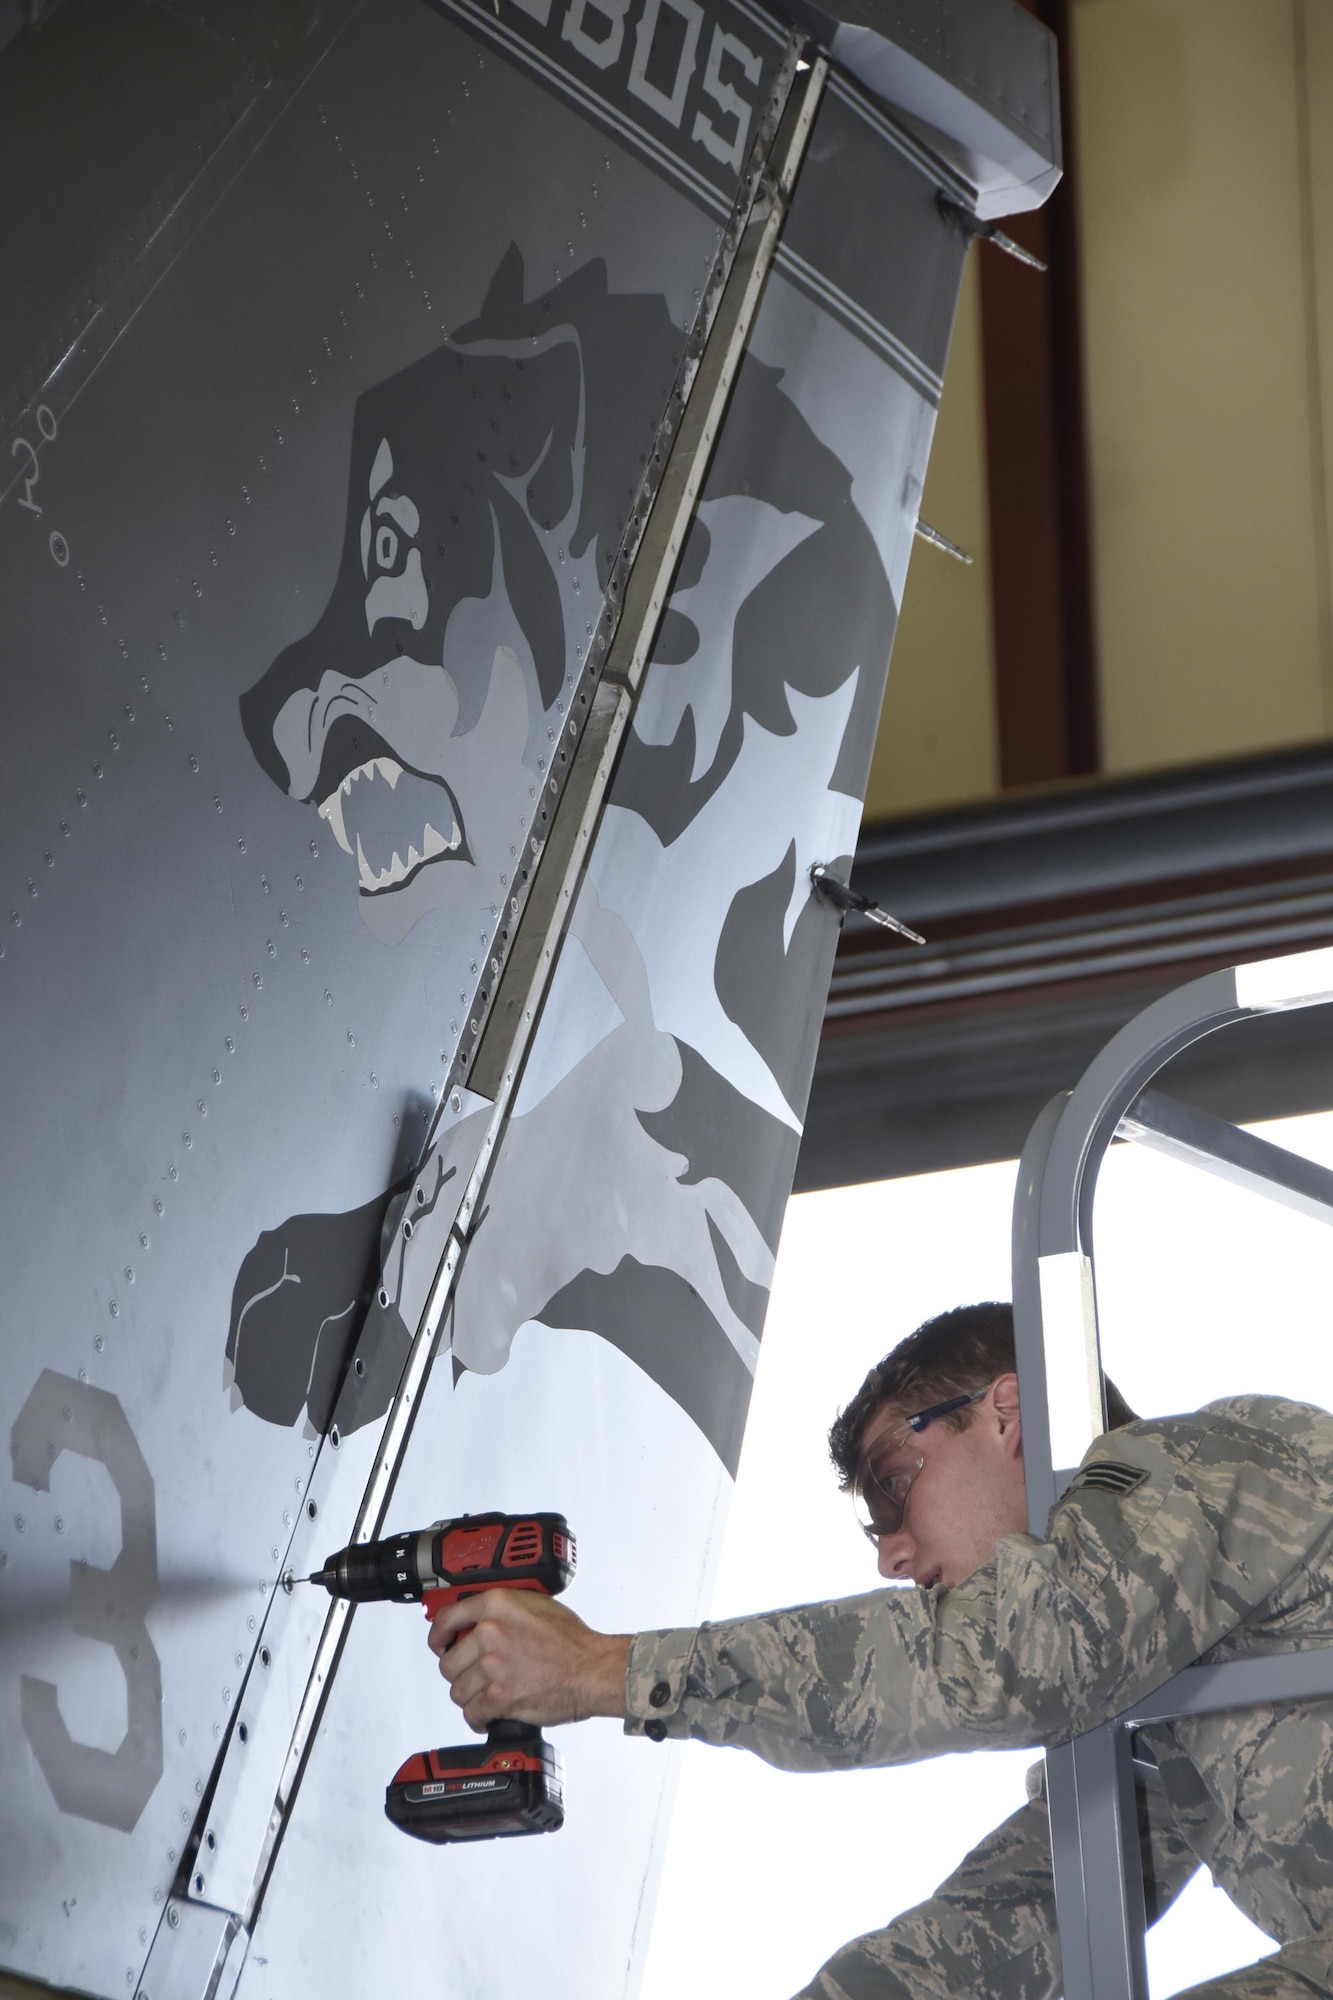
[{"x": 1095, "y": 1848}]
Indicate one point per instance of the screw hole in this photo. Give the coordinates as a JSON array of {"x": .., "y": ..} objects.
[
  {"x": 359, "y": 1366},
  {"x": 243, "y": 1732},
  {"x": 210, "y": 1841},
  {"x": 312, "y": 1508},
  {"x": 265, "y": 1657}
]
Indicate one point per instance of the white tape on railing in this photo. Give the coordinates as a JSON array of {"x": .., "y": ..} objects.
[
  {"x": 1301, "y": 979},
  {"x": 1069, "y": 1335}
]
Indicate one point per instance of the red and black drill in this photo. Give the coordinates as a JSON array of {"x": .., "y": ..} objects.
[{"x": 514, "y": 1781}]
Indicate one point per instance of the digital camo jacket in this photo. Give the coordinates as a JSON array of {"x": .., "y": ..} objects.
[{"x": 1212, "y": 1538}]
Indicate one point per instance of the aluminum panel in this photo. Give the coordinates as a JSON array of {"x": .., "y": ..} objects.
[{"x": 227, "y": 1036}]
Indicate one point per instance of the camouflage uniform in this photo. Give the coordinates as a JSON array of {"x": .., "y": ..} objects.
[{"x": 1210, "y": 1537}]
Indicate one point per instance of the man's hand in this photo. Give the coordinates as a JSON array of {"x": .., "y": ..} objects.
[{"x": 524, "y": 1656}]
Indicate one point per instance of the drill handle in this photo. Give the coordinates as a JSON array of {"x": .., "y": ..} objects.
[{"x": 435, "y": 1601}]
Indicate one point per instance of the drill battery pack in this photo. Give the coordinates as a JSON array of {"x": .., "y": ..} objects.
[{"x": 512, "y": 1783}]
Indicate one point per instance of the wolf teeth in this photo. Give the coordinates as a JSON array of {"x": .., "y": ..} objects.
[
  {"x": 332, "y": 809},
  {"x": 433, "y": 843}
]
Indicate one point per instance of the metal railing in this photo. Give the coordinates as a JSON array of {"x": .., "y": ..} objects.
[{"x": 1090, "y": 1781}]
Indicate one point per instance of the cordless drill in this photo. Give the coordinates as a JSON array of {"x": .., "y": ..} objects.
[{"x": 514, "y": 1781}]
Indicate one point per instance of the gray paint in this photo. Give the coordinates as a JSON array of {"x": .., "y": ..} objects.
[
  {"x": 106, "y": 1605},
  {"x": 758, "y": 976},
  {"x": 723, "y": 1134}
]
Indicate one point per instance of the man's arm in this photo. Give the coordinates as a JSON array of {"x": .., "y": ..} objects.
[{"x": 1145, "y": 1569}]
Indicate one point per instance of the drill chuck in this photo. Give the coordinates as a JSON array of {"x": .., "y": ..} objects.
[{"x": 376, "y": 1572}]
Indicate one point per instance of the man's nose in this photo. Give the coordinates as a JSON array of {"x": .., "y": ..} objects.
[{"x": 895, "y": 1555}]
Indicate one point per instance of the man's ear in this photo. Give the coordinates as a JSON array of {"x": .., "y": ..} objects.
[{"x": 1004, "y": 1402}]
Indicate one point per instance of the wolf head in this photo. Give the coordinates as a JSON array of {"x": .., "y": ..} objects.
[{"x": 488, "y": 489}]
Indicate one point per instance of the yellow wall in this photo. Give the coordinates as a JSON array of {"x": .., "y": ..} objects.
[
  {"x": 1205, "y": 133},
  {"x": 1203, "y": 278},
  {"x": 937, "y": 736}
]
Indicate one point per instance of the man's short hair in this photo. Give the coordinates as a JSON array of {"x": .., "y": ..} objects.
[{"x": 950, "y": 1355}]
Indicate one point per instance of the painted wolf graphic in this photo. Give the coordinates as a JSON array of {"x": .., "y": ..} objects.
[{"x": 641, "y": 1182}]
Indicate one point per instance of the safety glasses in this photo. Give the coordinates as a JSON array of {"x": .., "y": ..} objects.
[{"x": 880, "y": 1494}]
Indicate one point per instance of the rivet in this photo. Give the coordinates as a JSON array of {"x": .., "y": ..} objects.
[{"x": 115, "y": 1310}]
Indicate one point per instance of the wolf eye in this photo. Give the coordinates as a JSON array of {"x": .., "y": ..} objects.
[{"x": 386, "y": 546}]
